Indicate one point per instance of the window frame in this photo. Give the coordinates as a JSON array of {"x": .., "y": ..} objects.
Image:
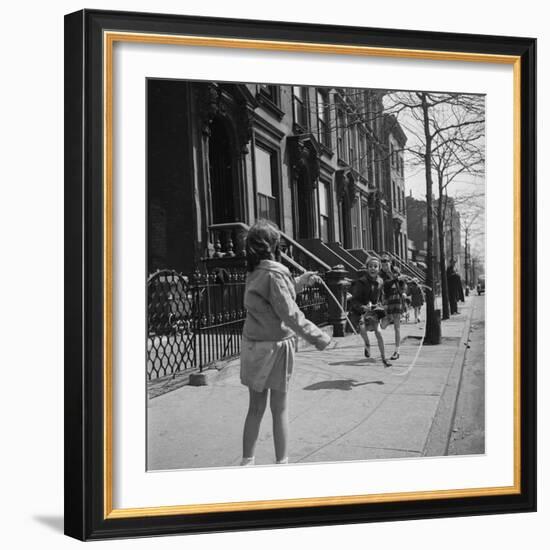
[
  {"x": 299, "y": 104},
  {"x": 327, "y": 186},
  {"x": 323, "y": 124},
  {"x": 275, "y": 158}
]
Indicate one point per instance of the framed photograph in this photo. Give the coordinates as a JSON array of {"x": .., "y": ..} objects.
[{"x": 300, "y": 274}]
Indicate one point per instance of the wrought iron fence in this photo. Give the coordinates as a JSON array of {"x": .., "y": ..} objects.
[
  {"x": 313, "y": 302},
  {"x": 196, "y": 320}
]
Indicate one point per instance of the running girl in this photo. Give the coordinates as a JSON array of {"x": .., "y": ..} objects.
[{"x": 365, "y": 306}]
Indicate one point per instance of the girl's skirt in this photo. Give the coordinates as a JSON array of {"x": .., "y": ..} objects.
[
  {"x": 267, "y": 365},
  {"x": 371, "y": 318},
  {"x": 394, "y": 304}
]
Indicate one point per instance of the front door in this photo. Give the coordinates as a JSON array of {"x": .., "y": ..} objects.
[
  {"x": 305, "y": 216},
  {"x": 222, "y": 170},
  {"x": 345, "y": 223}
]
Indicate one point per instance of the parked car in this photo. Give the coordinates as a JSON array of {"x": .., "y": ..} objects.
[{"x": 481, "y": 285}]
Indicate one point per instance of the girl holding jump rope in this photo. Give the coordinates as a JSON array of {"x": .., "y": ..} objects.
[{"x": 273, "y": 319}]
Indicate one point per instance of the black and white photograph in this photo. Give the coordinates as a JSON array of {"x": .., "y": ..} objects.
[
  {"x": 315, "y": 274},
  {"x": 246, "y": 248}
]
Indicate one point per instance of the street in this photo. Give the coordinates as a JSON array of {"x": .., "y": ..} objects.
[
  {"x": 468, "y": 433},
  {"x": 342, "y": 406}
]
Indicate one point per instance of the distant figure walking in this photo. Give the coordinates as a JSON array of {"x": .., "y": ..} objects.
[
  {"x": 417, "y": 298},
  {"x": 272, "y": 321},
  {"x": 454, "y": 288},
  {"x": 366, "y": 308}
]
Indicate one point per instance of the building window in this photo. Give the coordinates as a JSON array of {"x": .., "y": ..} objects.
[
  {"x": 400, "y": 203},
  {"x": 362, "y": 164},
  {"x": 323, "y": 127},
  {"x": 370, "y": 163},
  {"x": 270, "y": 92},
  {"x": 375, "y": 166},
  {"x": 399, "y": 196},
  {"x": 324, "y": 210},
  {"x": 355, "y": 222},
  {"x": 299, "y": 103},
  {"x": 265, "y": 168},
  {"x": 352, "y": 142},
  {"x": 341, "y": 141},
  {"x": 365, "y": 225}
]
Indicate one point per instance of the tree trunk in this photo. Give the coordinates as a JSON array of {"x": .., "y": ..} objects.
[
  {"x": 443, "y": 269},
  {"x": 467, "y": 282},
  {"x": 442, "y": 262},
  {"x": 452, "y": 237},
  {"x": 430, "y": 310}
]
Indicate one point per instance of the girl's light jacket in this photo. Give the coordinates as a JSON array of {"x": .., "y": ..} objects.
[{"x": 271, "y": 310}]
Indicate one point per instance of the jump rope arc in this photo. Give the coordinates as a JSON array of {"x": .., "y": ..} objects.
[{"x": 411, "y": 365}]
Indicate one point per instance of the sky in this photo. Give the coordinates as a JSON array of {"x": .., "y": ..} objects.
[{"x": 463, "y": 185}]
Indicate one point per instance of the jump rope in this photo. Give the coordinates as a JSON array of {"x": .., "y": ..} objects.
[{"x": 401, "y": 373}]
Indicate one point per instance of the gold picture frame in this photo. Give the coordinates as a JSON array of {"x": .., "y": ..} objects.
[{"x": 89, "y": 366}]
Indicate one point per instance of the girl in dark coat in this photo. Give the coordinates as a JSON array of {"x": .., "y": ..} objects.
[{"x": 366, "y": 309}]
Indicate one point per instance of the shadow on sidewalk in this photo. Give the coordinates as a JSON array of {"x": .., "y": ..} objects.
[
  {"x": 355, "y": 362},
  {"x": 345, "y": 385}
]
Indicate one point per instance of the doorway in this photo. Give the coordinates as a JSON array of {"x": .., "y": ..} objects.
[
  {"x": 304, "y": 201},
  {"x": 222, "y": 173}
]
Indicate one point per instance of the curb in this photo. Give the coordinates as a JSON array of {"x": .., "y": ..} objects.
[{"x": 437, "y": 441}]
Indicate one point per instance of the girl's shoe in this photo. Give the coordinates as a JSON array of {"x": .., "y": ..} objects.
[
  {"x": 367, "y": 352},
  {"x": 248, "y": 461},
  {"x": 282, "y": 461},
  {"x": 395, "y": 356},
  {"x": 386, "y": 362}
]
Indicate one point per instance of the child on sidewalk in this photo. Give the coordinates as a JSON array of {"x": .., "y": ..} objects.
[
  {"x": 365, "y": 307},
  {"x": 393, "y": 299},
  {"x": 272, "y": 321},
  {"x": 417, "y": 299}
]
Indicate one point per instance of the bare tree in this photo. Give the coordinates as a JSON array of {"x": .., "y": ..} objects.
[
  {"x": 445, "y": 136},
  {"x": 448, "y": 140},
  {"x": 459, "y": 150}
]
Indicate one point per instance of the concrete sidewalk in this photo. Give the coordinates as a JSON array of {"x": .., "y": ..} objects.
[{"x": 342, "y": 406}]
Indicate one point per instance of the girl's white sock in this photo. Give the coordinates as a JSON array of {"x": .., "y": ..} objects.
[{"x": 248, "y": 461}]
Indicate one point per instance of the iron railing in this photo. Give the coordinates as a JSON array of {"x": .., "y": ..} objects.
[{"x": 194, "y": 321}]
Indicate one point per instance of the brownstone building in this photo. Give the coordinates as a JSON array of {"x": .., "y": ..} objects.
[{"x": 325, "y": 164}]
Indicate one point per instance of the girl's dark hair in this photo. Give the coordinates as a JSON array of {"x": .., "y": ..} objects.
[{"x": 262, "y": 243}]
